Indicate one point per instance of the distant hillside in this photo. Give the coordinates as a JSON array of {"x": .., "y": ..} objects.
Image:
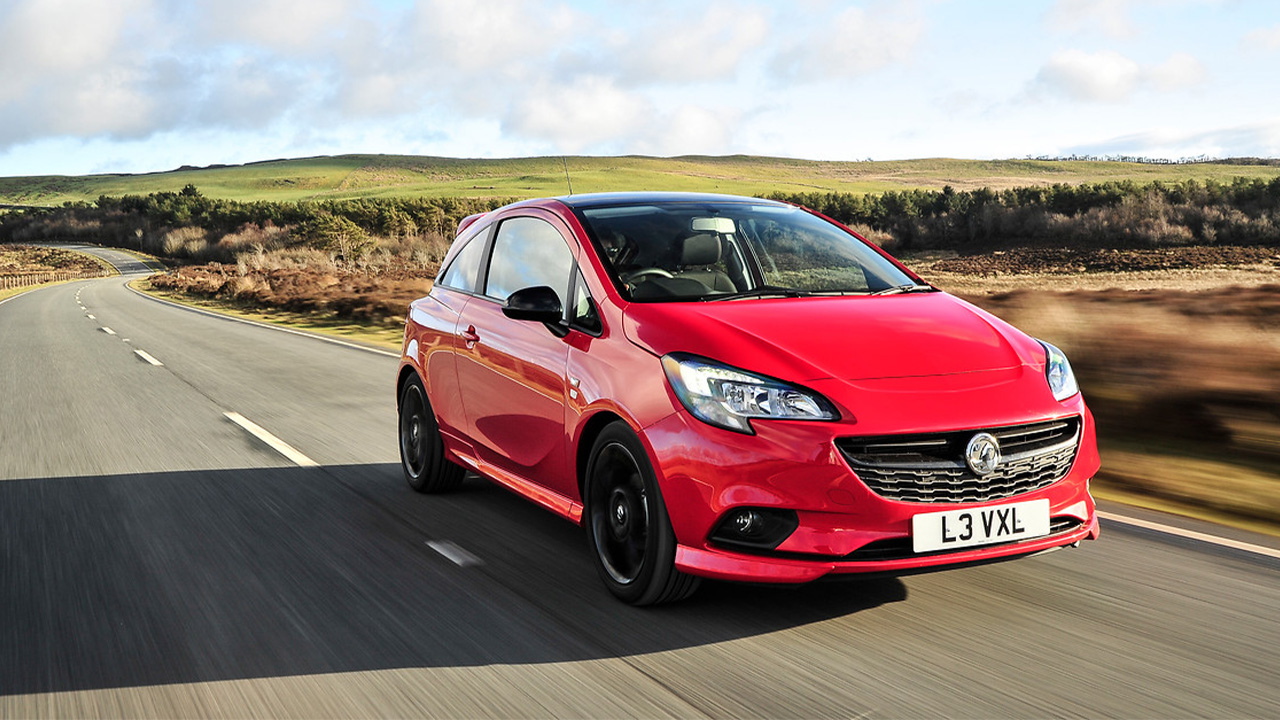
[{"x": 359, "y": 176}]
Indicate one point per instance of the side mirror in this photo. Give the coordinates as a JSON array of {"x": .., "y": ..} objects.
[{"x": 539, "y": 304}]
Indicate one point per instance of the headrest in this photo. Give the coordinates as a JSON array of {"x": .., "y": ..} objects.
[{"x": 700, "y": 250}]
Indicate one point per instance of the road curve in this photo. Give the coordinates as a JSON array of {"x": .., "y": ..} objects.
[{"x": 158, "y": 557}]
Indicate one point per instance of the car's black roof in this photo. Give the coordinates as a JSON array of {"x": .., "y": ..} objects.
[{"x": 590, "y": 200}]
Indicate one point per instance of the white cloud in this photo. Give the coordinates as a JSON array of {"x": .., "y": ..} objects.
[
  {"x": 684, "y": 48},
  {"x": 1109, "y": 16},
  {"x": 1180, "y": 71},
  {"x": 689, "y": 130},
  {"x": 473, "y": 59},
  {"x": 1255, "y": 139},
  {"x": 506, "y": 37},
  {"x": 266, "y": 78},
  {"x": 248, "y": 92},
  {"x": 1267, "y": 38},
  {"x": 1107, "y": 76},
  {"x": 72, "y": 67},
  {"x": 62, "y": 37},
  {"x": 854, "y": 42},
  {"x": 570, "y": 77},
  {"x": 595, "y": 115},
  {"x": 285, "y": 25},
  {"x": 590, "y": 111}
]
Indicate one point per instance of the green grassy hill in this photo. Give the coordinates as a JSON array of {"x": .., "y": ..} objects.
[{"x": 352, "y": 176}]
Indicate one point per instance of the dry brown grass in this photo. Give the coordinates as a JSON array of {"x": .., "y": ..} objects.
[
  {"x": 1185, "y": 385},
  {"x": 26, "y": 259},
  {"x": 378, "y": 294}
]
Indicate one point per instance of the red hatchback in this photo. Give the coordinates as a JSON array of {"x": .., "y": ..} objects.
[{"x": 740, "y": 389}]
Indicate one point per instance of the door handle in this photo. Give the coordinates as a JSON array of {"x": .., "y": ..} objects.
[{"x": 470, "y": 336}]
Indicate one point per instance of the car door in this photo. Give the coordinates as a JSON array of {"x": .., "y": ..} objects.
[
  {"x": 436, "y": 317},
  {"x": 511, "y": 373}
]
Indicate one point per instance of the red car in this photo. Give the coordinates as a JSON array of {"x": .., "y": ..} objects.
[{"x": 736, "y": 388}]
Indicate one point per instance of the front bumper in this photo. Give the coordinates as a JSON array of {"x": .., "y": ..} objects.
[
  {"x": 843, "y": 527},
  {"x": 723, "y": 564}
]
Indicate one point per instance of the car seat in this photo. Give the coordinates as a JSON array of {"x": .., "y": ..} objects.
[{"x": 699, "y": 254}]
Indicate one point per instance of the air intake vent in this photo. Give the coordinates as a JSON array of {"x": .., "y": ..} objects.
[{"x": 930, "y": 468}]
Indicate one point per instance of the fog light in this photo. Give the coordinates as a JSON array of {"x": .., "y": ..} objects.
[
  {"x": 747, "y": 522},
  {"x": 755, "y": 528}
]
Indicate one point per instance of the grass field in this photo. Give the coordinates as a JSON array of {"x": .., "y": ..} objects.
[{"x": 354, "y": 176}]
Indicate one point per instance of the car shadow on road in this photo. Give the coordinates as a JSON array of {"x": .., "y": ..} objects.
[{"x": 226, "y": 574}]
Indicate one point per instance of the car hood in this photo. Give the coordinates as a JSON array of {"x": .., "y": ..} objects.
[{"x": 848, "y": 338}]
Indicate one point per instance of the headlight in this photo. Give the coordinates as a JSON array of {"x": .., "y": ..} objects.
[
  {"x": 729, "y": 398},
  {"x": 1058, "y": 372}
]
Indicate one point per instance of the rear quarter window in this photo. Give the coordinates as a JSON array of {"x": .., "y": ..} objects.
[{"x": 463, "y": 270}]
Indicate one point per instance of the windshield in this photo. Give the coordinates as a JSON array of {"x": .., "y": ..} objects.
[{"x": 726, "y": 250}]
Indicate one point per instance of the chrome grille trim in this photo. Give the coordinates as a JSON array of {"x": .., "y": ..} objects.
[{"x": 929, "y": 467}]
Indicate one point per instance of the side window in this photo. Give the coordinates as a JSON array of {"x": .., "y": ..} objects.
[
  {"x": 462, "y": 272},
  {"x": 528, "y": 252},
  {"x": 583, "y": 313}
]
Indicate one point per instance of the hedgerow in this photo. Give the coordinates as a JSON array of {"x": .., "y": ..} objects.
[
  {"x": 1110, "y": 214},
  {"x": 187, "y": 224}
]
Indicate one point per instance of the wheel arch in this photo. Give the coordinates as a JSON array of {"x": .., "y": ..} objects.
[
  {"x": 406, "y": 371},
  {"x": 586, "y": 439}
]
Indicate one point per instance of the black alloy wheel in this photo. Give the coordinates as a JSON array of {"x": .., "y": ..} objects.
[
  {"x": 630, "y": 534},
  {"x": 421, "y": 449}
]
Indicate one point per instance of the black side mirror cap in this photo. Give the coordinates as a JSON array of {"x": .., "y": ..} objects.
[{"x": 537, "y": 304}]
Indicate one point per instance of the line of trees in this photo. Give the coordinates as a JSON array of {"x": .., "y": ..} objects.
[
  {"x": 189, "y": 224},
  {"x": 1244, "y": 211},
  {"x": 381, "y": 216},
  {"x": 1142, "y": 159}
]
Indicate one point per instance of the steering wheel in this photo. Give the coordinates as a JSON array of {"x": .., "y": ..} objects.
[{"x": 645, "y": 272}]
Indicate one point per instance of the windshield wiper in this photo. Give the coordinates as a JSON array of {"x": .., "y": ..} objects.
[
  {"x": 903, "y": 289},
  {"x": 761, "y": 291}
]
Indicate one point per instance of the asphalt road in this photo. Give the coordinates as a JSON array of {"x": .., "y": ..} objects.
[{"x": 158, "y": 559}]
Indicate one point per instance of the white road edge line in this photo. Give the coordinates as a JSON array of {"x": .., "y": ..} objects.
[
  {"x": 454, "y": 554},
  {"x": 29, "y": 289},
  {"x": 272, "y": 441},
  {"x": 108, "y": 331},
  {"x": 291, "y": 331},
  {"x": 1192, "y": 535},
  {"x": 147, "y": 356}
]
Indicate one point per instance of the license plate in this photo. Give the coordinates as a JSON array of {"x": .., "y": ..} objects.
[{"x": 951, "y": 529}]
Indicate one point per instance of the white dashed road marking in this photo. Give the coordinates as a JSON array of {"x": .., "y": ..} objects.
[
  {"x": 147, "y": 356},
  {"x": 108, "y": 331},
  {"x": 272, "y": 441},
  {"x": 455, "y": 554},
  {"x": 91, "y": 317}
]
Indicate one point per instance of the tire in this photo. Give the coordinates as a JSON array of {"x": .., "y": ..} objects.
[
  {"x": 421, "y": 448},
  {"x": 627, "y": 525}
]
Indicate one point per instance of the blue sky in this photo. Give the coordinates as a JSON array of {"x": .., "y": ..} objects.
[{"x": 88, "y": 86}]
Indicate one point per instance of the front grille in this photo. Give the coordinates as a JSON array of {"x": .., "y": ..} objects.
[{"x": 930, "y": 468}]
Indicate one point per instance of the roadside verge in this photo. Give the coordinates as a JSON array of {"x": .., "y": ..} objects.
[{"x": 339, "y": 332}]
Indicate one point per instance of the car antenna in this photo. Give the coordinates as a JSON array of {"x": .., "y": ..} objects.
[{"x": 565, "y": 159}]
